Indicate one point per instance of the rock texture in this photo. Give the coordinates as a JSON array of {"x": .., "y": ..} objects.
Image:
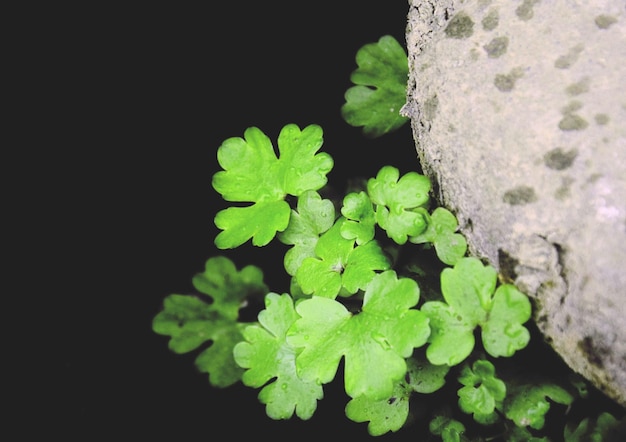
[{"x": 518, "y": 110}]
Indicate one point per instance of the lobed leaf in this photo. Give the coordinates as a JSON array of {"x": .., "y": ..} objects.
[
  {"x": 382, "y": 415},
  {"x": 266, "y": 356},
  {"x": 375, "y": 101},
  {"x": 527, "y": 404},
  {"x": 396, "y": 199},
  {"x": 424, "y": 377},
  {"x": 468, "y": 289},
  {"x": 338, "y": 265},
  {"x": 441, "y": 231},
  {"x": 593, "y": 429},
  {"x": 252, "y": 173},
  {"x": 503, "y": 333},
  {"x": 482, "y": 391},
  {"x": 312, "y": 217},
  {"x": 191, "y": 321},
  {"x": 227, "y": 286},
  {"x": 450, "y": 430},
  {"x": 374, "y": 343},
  {"x": 360, "y": 217}
]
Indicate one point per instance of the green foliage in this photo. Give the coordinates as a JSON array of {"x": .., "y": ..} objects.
[
  {"x": 399, "y": 202},
  {"x": 380, "y": 88},
  {"x": 482, "y": 391},
  {"x": 266, "y": 355},
  {"x": 373, "y": 343},
  {"x": 312, "y": 217},
  {"x": 191, "y": 321},
  {"x": 598, "y": 429},
  {"x": 382, "y": 415},
  {"x": 450, "y": 430},
  {"x": 528, "y": 403},
  {"x": 471, "y": 300},
  {"x": 442, "y": 232},
  {"x": 340, "y": 264},
  {"x": 252, "y": 173},
  {"x": 353, "y": 299}
]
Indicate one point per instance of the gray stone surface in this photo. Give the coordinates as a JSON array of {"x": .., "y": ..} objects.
[{"x": 518, "y": 109}]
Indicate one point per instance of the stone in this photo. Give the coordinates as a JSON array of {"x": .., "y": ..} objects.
[{"x": 518, "y": 111}]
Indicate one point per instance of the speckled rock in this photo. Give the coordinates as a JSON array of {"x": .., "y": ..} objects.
[{"x": 518, "y": 109}]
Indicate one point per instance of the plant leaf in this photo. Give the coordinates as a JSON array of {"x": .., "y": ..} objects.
[
  {"x": 252, "y": 173},
  {"x": 441, "y": 231},
  {"x": 527, "y": 404},
  {"x": 339, "y": 264},
  {"x": 503, "y": 333},
  {"x": 468, "y": 289},
  {"x": 266, "y": 356},
  {"x": 424, "y": 377},
  {"x": 228, "y": 287},
  {"x": 374, "y": 342},
  {"x": 360, "y": 217},
  {"x": 312, "y": 217},
  {"x": 396, "y": 201},
  {"x": 450, "y": 430},
  {"x": 482, "y": 391},
  {"x": 380, "y": 88},
  {"x": 191, "y": 321},
  {"x": 383, "y": 415}
]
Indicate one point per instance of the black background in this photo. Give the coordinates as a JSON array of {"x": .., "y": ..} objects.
[
  {"x": 137, "y": 100},
  {"x": 116, "y": 113}
]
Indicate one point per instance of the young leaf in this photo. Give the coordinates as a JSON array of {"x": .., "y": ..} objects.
[
  {"x": 266, "y": 356},
  {"x": 338, "y": 264},
  {"x": 527, "y": 404},
  {"x": 190, "y": 321},
  {"x": 252, "y": 173},
  {"x": 450, "y": 430},
  {"x": 228, "y": 287},
  {"x": 503, "y": 333},
  {"x": 450, "y": 246},
  {"x": 360, "y": 218},
  {"x": 380, "y": 88},
  {"x": 396, "y": 201},
  {"x": 482, "y": 391},
  {"x": 383, "y": 415},
  {"x": 591, "y": 429},
  {"x": 424, "y": 377},
  {"x": 312, "y": 217},
  {"x": 374, "y": 342},
  {"x": 471, "y": 300}
]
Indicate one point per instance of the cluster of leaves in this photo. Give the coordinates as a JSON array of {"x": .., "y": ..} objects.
[{"x": 353, "y": 299}]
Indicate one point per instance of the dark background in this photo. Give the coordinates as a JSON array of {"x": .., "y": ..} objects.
[{"x": 136, "y": 101}]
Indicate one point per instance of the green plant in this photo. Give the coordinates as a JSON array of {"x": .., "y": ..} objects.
[{"x": 380, "y": 279}]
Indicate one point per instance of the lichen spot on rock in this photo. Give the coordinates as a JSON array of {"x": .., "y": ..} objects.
[
  {"x": 461, "y": 26},
  {"x": 604, "y": 21},
  {"x": 430, "y": 108},
  {"x": 564, "y": 191},
  {"x": 519, "y": 196},
  {"x": 578, "y": 88},
  {"x": 506, "y": 82},
  {"x": 491, "y": 20},
  {"x": 567, "y": 60},
  {"x": 496, "y": 47},
  {"x": 525, "y": 10},
  {"x": 602, "y": 119},
  {"x": 573, "y": 122},
  {"x": 559, "y": 159}
]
